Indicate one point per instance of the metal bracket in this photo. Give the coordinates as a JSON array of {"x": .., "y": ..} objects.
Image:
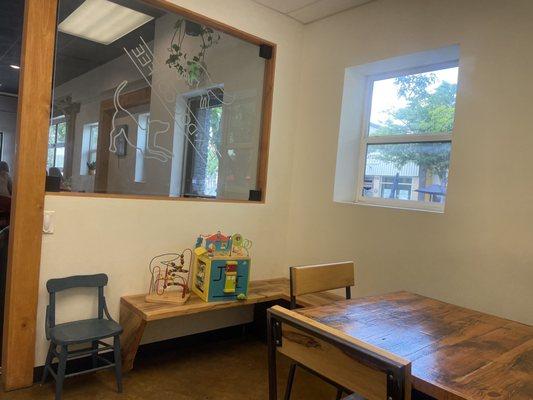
[
  {"x": 265, "y": 51},
  {"x": 393, "y": 389},
  {"x": 276, "y": 332}
]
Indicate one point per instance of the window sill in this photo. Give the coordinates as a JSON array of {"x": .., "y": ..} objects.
[
  {"x": 148, "y": 197},
  {"x": 433, "y": 210}
]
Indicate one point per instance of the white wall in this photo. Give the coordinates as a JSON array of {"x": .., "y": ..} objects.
[
  {"x": 478, "y": 253},
  {"x": 119, "y": 236}
]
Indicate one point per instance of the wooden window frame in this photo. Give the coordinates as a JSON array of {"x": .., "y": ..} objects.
[
  {"x": 266, "y": 116},
  {"x": 25, "y": 240}
]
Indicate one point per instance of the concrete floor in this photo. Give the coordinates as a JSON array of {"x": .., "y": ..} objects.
[{"x": 219, "y": 370}]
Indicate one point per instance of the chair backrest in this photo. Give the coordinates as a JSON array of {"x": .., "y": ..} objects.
[
  {"x": 320, "y": 278},
  {"x": 367, "y": 370},
  {"x": 78, "y": 281}
]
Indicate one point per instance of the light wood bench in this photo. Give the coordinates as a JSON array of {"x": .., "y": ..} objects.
[{"x": 136, "y": 313}]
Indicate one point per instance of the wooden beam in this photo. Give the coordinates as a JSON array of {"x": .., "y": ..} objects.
[
  {"x": 266, "y": 119},
  {"x": 25, "y": 237},
  {"x": 213, "y": 23}
]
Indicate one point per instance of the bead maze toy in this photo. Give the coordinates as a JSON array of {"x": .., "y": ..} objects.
[
  {"x": 169, "y": 281},
  {"x": 221, "y": 267}
]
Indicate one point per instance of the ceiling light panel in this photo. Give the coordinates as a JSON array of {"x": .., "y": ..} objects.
[{"x": 102, "y": 21}]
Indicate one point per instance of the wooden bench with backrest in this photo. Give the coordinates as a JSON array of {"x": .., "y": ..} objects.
[{"x": 369, "y": 372}]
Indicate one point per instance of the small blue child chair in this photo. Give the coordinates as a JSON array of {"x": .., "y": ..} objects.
[{"x": 91, "y": 331}]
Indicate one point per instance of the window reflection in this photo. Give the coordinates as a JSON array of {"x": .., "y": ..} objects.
[{"x": 171, "y": 108}]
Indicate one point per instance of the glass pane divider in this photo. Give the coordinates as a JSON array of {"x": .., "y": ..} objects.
[
  {"x": 414, "y": 138},
  {"x": 400, "y": 204}
]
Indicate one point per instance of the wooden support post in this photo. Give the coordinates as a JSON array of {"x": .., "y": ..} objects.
[{"x": 35, "y": 90}]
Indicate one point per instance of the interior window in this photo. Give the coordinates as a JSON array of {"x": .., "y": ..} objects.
[{"x": 157, "y": 104}]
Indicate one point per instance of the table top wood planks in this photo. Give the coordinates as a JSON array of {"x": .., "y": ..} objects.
[
  {"x": 135, "y": 312},
  {"x": 456, "y": 353}
]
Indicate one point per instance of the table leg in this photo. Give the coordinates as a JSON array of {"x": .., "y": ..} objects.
[{"x": 133, "y": 325}]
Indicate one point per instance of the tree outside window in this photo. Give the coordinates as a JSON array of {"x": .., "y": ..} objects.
[{"x": 408, "y": 134}]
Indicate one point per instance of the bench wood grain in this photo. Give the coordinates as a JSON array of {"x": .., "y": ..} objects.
[{"x": 136, "y": 313}]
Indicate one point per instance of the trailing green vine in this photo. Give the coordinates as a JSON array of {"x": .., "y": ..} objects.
[{"x": 190, "y": 67}]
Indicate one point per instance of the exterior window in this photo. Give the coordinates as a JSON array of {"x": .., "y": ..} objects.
[
  {"x": 407, "y": 135},
  {"x": 142, "y": 134},
  {"x": 56, "y": 143},
  {"x": 204, "y": 137},
  {"x": 93, "y": 142},
  {"x": 89, "y": 147}
]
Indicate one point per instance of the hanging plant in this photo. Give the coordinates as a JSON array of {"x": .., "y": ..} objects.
[{"x": 190, "y": 67}]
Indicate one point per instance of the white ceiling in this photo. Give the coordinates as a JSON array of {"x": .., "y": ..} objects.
[{"x": 307, "y": 11}]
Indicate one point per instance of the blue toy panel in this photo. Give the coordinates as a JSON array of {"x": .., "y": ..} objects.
[{"x": 218, "y": 280}]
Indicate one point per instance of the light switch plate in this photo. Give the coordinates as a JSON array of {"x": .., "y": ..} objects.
[{"x": 48, "y": 222}]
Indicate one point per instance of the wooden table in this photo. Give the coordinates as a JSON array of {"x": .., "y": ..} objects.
[
  {"x": 456, "y": 353},
  {"x": 136, "y": 313}
]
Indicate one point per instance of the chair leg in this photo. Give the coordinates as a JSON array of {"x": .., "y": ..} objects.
[
  {"x": 118, "y": 363},
  {"x": 290, "y": 381},
  {"x": 61, "y": 367},
  {"x": 94, "y": 346},
  {"x": 339, "y": 394},
  {"x": 48, "y": 363}
]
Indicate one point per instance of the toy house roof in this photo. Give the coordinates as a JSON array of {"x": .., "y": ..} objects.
[{"x": 218, "y": 236}]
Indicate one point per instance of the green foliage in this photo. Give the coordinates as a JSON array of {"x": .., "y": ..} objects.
[
  {"x": 426, "y": 111},
  {"x": 214, "y": 133},
  {"x": 190, "y": 67}
]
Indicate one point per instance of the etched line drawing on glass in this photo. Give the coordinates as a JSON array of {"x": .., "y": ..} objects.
[
  {"x": 143, "y": 59},
  {"x": 117, "y": 132}
]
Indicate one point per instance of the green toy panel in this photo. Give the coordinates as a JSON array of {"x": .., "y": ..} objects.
[{"x": 218, "y": 280}]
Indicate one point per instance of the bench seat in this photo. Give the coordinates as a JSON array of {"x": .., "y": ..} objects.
[{"x": 135, "y": 312}]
